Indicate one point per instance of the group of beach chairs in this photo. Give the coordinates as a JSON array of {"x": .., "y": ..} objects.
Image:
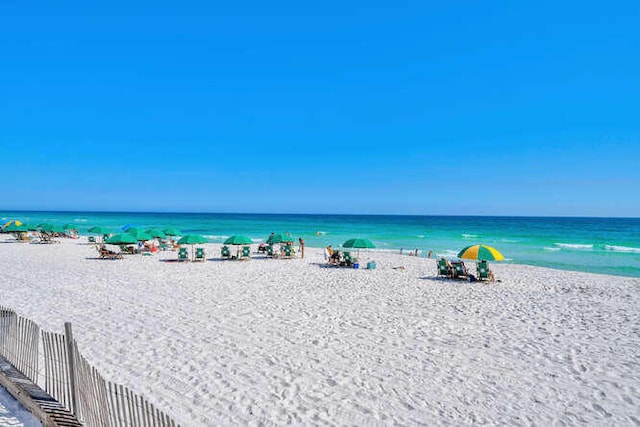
[
  {"x": 457, "y": 270},
  {"x": 243, "y": 255}
]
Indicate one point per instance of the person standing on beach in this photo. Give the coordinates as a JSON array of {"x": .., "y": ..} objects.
[{"x": 301, "y": 242}]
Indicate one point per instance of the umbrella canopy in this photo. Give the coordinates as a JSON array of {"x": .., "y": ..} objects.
[
  {"x": 99, "y": 230},
  {"x": 154, "y": 232},
  {"x": 13, "y": 221},
  {"x": 70, "y": 226},
  {"x": 31, "y": 227},
  {"x": 192, "y": 239},
  {"x": 121, "y": 239},
  {"x": 14, "y": 228},
  {"x": 139, "y": 234},
  {"x": 358, "y": 244},
  {"x": 238, "y": 240},
  {"x": 480, "y": 252},
  {"x": 170, "y": 231},
  {"x": 51, "y": 228},
  {"x": 279, "y": 238}
]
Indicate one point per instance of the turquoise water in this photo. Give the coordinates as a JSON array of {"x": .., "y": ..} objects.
[{"x": 600, "y": 245}]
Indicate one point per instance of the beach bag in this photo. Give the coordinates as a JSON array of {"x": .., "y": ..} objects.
[{"x": 472, "y": 278}]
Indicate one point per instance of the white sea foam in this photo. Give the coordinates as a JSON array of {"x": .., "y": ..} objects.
[
  {"x": 551, "y": 249},
  {"x": 257, "y": 239},
  {"x": 215, "y": 237},
  {"x": 573, "y": 246},
  {"x": 509, "y": 241},
  {"x": 80, "y": 220},
  {"x": 420, "y": 236},
  {"x": 626, "y": 249},
  {"x": 469, "y": 236}
]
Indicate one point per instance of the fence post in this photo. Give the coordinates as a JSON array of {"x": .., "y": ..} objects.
[{"x": 68, "y": 335}]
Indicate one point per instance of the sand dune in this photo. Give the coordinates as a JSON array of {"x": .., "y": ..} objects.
[{"x": 271, "y": 342}]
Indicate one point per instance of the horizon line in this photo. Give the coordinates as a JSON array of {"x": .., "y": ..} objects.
[{"x": 318, "y": 214}]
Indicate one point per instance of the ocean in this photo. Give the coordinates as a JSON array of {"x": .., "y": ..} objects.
[{"x": 597, "y": 245}]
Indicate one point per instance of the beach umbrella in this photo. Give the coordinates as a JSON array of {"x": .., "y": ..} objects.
[
  {"x": 155, "y": 233},
  {"x": 279, "y": 238},
  {"x": 13, "y": 221},
  {"x": 358, "y": 244},
  {"x": 238, "y": 240},
  {"x": 170, "y": 231},
  {"x": 51, "y": 228},
  {"x": 16, "y": 228},
  {"x": 121, "y": 239},
  {"x": 192, "y": 239},
  {"x": 70, "y": 227},
  {"x": 480, "y": 252},
  {"x": 139, "y": 234},
  {"x": 99, "y": 230}
]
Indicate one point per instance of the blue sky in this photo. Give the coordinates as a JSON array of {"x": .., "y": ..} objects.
[{"x": 486, "y": 108}]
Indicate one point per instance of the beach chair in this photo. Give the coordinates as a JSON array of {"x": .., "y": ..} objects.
[
  {"x": 163, "y": 246},
  {"x": 444, "y": 269},
  {"x": 246, "y": 252},
  {"x": 288, "y": 252},
  {"x": 183, "y": 255},
  {"x": 459, "y": 270},
  {"x": 225, "y": 252},
  {"x": 200, "y": 255},
  {"x": 347, "y": 261},
  {"x": 483, "y": 271},
  {"x": 92, "y": 239},
  {"x": 270, "y": 251}
]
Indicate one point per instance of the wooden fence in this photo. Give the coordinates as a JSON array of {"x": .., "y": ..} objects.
[{"x": 71, "y": 379}]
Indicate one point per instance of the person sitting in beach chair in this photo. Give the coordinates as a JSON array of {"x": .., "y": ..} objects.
[
  {"x": 444, "y": 268},
  {"x": 459, "y": 270},
  {"x": 225, "y": 252},
  {"x": 287, "y": 251},
  {"x": 199, "y": 256},
  {"x": 183, "y": 255},
  {"x": 484, "y": 273},
  {"x": 127, "y": 249},
  {"x": 104, "y": 253},
  {"x": 335, "y": 258}
]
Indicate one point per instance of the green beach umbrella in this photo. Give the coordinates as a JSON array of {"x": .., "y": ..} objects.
[
  {"x": 139, "y": 234},
  {"x": 51, "y": 228},
  {"x": 238, "y": 240},
  {"x": 32, "y": 227},
  {"x": 70, "y": 227},
  {"x": 99, "y": 230},
  {"x": 121, "y": 239},
  {"x": 358, "y": 244},
  {"x": 170, "y": 231},
  {"x": 192, "y": 239},
  {"x": 154, "y": 232},
  {"x": 480, "y": 252},
  {"x": 279, "y": 238}
]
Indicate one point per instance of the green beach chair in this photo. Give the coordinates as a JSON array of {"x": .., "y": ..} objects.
[
  {"x": 92, "y": 239},
  {"x": 270, "y": 251},
  {"x": 246, "y": 252},
  {"x": 459, "y": 270},
  {"x": 225, "y": 252},
  {"x": 183, "y": 255},
  {"x": 200, "y": 255},
  {"x": 347, "y": 261},
  {"x": 288, "y": 251},
  {"x": 483, "y": 270},
  {"x": 443, "y": 268}
]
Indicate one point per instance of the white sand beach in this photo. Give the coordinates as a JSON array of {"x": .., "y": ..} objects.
[{"x": 271, "y": 342}]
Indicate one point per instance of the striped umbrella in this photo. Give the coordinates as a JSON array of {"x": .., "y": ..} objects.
[{"x": 480, "y": 252}]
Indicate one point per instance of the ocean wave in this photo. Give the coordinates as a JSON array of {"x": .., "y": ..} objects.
[
  {"x": 420, "y": 236},
  {"x": 625, "y": 249},
  {"x": 448, "y": 253},
  {"x": 573, "y": 246},
  {"x": 469, "y": 236},
  {"x": 552, "y": 249},
  {"x": 213, "y": 236},
  {"x": 509, "y": 241},
  {"x": 80, "y": 220},
  {"x": 256, "y": 239}
]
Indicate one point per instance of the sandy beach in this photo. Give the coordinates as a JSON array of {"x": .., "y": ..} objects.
[{"x": 272, "y": 342}]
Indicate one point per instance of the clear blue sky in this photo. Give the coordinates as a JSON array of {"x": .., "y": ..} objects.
[{"x": 416, "y": 107}]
